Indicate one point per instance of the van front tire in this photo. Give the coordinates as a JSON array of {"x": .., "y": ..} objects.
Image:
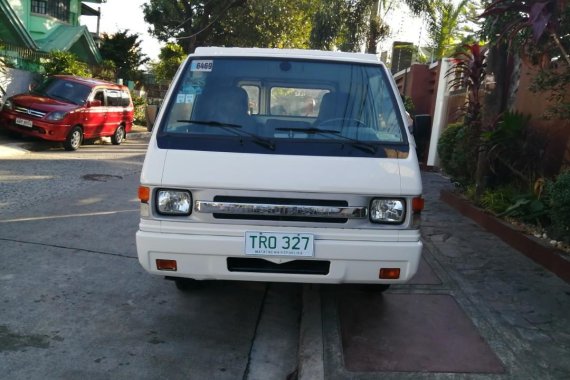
[
  {"x": 73, "y": 139},
  {"x": 185, "y": 284}
]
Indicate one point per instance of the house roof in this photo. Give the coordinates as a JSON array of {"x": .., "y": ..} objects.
[
  {"x": 12, "y": 31},
  {"x": 86, "y": 10},
  {"x": 75, "y": 39}
]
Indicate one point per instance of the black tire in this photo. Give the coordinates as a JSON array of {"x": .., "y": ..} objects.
[
  {"x": 74, "y": 139},
  {"x": 381, "y": 288},
  {"x": 185, "y": 284},
  {"x": 119, "y": 135}
]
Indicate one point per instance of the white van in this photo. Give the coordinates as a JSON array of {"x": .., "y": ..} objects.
[{"x": 281, "y": 165}]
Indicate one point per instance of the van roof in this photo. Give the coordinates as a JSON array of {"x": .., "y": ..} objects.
[
  {"x": 91, "y": 82},
  {"x": 286, "y": 53}
]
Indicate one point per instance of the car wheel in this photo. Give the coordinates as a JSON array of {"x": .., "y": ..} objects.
[
  {"x": 73, "y": 139},
  {"x": 186, "y": 284},
  {"x": 119, "y": 135}
]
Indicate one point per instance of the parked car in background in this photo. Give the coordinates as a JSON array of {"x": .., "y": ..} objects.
[{"x": 70, "y": 109}]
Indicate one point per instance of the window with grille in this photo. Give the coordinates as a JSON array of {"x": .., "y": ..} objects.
[{"x": 54, "y": 8}]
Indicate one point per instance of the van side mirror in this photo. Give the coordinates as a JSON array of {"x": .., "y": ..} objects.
[{"x": 94, "y": 103}]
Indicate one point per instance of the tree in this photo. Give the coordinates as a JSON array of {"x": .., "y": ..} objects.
[
  {"x": 64, "y": 62},
  {"x": 105, "y": 70},
  {"x": 188, "y": 22},
  {"x": 169, "y": 59},
  {"x": 123, "y": 49},
  {"x": 347, "y": 25},
  {"x": 445, "y": 23},
  {"x": 469, "y": 71},
  {"x": 274, "y": 23},
  {"x": 537, "y": 31}
]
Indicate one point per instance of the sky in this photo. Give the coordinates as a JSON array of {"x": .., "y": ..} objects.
[{"x": 124, "y": 14}]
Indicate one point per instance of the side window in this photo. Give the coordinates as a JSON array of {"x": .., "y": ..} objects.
[
  {"x": 125, "y": 99},
  {"x": 253, "y": 98},
  {"x": 99, "y": 95},
  {"x": 113, "y": 98}
]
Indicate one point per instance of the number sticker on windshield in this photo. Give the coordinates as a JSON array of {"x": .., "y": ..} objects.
[{"x": 202, "y": 66}]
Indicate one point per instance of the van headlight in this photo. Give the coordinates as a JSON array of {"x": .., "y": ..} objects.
[
  {"x": 8, "y": 105},
  {"x": 55, "y": 116},
  {"x": 385, "y": 210},
  {"x": 173, "y": 202}
]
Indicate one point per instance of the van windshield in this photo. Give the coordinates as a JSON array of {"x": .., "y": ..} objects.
[
  {"x": 276, "y": 106},
  {"x": 64, "y": 90}
]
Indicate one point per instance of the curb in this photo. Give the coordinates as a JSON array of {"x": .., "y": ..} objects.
[
  {"x": 12, "y": 149},
  {"x": 548, "y": 257}
]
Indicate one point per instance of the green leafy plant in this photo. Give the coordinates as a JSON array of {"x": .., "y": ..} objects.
[
  {"x": 468, "y": 71},
  {"x": 498, "y": 200},
  {"x": 528, "y": 208},
  {"x": 140, "y": 105},
  {"x": 537, "y": 31},
  {"x": 559, "y": 193},
  {"x": 63, "y": 62},
  {"x": 456, "y": 154},
  {"x": 409, "y": 104},
  {"x": 514, "y": 149}
]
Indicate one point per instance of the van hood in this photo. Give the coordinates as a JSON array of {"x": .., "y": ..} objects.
[
  {"x": 42, "y": 103},
  {"x": 349, "y": 175}
]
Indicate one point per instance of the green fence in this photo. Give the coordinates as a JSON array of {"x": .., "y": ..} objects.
[{"x": 22, "y": 58}]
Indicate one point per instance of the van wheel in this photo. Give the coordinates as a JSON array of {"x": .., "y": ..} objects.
[
  {"x": 381, "y": 288},
  {"x": 73, "y": 139},
  {"x": 186, "y": 284},
  {"x": 119, "y": 135}
]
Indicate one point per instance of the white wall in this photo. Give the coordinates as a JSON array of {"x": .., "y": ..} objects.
[{"x": 15, "y": 81}]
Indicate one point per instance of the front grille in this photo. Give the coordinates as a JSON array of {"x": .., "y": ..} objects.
[
  {"x": 30, "y": 112},
  {"x": 318, "y": 267},
  {"x": 280, "y": 201}
]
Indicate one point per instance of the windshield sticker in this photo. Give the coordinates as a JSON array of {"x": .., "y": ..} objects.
[
  {"x": 185, "y": 98},
  {"x": 202, "y": 65}
]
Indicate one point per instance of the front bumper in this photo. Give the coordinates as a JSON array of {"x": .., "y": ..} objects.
[
  {"x": 354, "y": 256},
  {"x": 39, "y": 129}
]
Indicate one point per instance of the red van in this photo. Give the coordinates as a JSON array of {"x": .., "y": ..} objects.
[{"x": 70, "y": 109}]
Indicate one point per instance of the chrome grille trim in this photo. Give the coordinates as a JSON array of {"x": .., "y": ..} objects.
[
  {"x": 232, "y": 208},
  {"x": 30, "y": 112}
]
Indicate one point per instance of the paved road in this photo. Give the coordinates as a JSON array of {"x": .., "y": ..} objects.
[{"x": 75, "y": 302}]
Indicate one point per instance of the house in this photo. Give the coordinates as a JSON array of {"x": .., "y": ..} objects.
[{"x": 29, "y": 29}]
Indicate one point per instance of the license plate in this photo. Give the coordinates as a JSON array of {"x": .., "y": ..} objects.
[
  {"x": 24, "y": 122},
  {"x": 278, "y": 244}
]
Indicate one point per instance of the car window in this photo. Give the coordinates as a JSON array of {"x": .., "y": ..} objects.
[
  {"x": 113, "y": 98},
  {"x": 125, "y": 99},
  {"x": 253, "y": 95},
  {"x": 100, "y": 95},
  {"x": 291, "y": 101}
]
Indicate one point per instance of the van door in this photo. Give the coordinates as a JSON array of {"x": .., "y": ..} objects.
[
  {"x": 114, "y": 111},
  {"x": 94, "y": 123}
]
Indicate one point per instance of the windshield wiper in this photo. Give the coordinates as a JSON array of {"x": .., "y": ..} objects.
[
  {"x": 234, "y": 128},
  {"x": 369, "y": 148}
]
